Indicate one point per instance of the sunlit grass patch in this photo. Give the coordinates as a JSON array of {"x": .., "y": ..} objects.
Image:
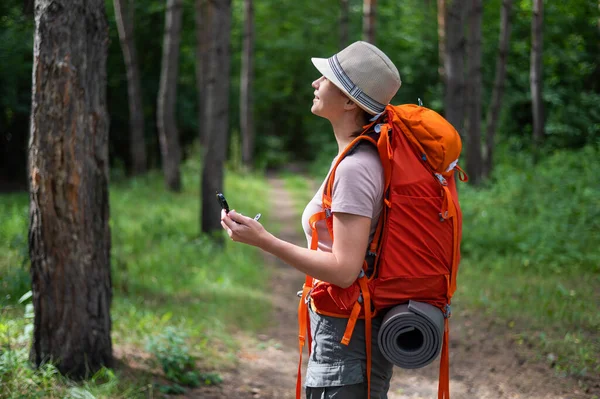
[{"x": 166, "y": 275}]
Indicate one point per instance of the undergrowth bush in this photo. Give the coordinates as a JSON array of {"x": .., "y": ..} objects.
[{"x": 547, "y": 216}]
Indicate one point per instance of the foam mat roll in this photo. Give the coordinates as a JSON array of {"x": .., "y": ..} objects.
[{"x": 411, "y": 334}]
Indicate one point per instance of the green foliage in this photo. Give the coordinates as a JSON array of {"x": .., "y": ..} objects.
[
  {"x": 531, "y": 256},
  {"x": 164, "y": 273},
  {"x": 545, "y": 216},
  {"x": 288, "y": 33},
  {"x": 14, "y": 262},
  {"x": 179, "y": 366}
]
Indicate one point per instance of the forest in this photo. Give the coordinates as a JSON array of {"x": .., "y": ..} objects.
[{"x": 119, "y": 119}]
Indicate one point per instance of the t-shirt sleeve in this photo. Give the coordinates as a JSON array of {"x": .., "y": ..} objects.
[{"x": 358, "y": 185}]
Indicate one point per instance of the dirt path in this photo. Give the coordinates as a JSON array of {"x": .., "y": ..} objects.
[{"x": 485, "y": 362}]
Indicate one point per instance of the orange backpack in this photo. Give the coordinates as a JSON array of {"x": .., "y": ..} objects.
[{"x": 415, "y": 252}]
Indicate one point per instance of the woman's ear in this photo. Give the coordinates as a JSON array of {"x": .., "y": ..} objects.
[{"x": 350, "y": 105}]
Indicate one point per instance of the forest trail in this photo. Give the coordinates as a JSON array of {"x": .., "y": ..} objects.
[{"x": 485, "y": 361}]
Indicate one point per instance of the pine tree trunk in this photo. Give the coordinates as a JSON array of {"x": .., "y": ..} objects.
[
  {"x": 167, "y": 96},
  {"x": 474, "y": 158},
  {"x": 369, "y": 18},
  {"x": 246, "y": 104},
  {"x": 69, "y": 234},
  {"x": 217, "y": 114},
  {"x": 441, "y": 19},
  {"x": 454, "y": 103},
  {"x": 344, "y": 12},
  {"x": 496, "y": 104},
  {"x": 537, "y": 104},
  {"x": 137, "y": 142},
  {"x": 202, "y": 64}
]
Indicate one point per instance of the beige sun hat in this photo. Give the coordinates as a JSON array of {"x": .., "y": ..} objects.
[{"x": 364, "y": 73}]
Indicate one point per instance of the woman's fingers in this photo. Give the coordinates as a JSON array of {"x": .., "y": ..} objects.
[{"x": 241, "y": 228}]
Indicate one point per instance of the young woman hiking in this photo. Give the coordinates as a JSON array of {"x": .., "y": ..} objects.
[{"x": 355, "y": 86}]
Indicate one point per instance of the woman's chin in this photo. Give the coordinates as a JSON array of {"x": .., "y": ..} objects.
[{"x": 315, "y": 109}]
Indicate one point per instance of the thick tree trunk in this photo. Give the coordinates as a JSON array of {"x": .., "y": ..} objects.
[
  {"x": 167, "y": 96},
  {"x": 537, "y": 105},
  {"x": 217, "y": 115},
  {"x": 496, "y": 104},
  {"x": 246, "y": 103},
  {"x": 454, "y": 98},
  {"x": 441, "y": 20},
  {"x": 69, "y": 235},
  {"x": 474, "y": 158},
  {"x": 203, "y": 21},
  {"x": 344, "y": 12},
  {"x": 369, "y": 18},
  {"x": 137, "y": 142}
]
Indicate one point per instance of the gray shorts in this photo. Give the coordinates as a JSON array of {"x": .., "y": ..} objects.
[{"x": 339, "y": 371}]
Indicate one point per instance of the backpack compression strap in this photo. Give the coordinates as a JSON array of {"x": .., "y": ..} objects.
[{"x": 303, "y": 317}]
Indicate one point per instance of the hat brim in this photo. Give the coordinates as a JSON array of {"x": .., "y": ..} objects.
[{"x": 322, "y": 65}]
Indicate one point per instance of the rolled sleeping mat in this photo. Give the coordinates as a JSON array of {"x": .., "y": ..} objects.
[{"x": 411, "y": 334}]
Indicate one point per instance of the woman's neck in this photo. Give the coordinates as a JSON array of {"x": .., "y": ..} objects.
[{"x": 344, "y": 129}]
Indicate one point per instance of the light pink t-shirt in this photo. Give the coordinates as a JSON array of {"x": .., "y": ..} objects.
[{"x": 357, "y": 190}]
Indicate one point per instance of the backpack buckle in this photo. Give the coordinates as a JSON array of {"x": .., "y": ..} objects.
[
  {"x": 447, "y": 311},
  {"x": 328, "y": 212},
  {"x": 441, "y": 179}
]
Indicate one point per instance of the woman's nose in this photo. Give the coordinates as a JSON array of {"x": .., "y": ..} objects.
[{"x": 316, "y": 83}]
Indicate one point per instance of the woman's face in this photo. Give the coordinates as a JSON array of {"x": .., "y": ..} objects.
[{"x": 329, "y": 101}]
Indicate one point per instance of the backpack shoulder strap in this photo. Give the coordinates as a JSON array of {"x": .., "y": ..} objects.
[{"x": 328, "y": 189}]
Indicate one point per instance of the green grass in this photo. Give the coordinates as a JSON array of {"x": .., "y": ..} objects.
[
  {"x": 165, "y": 275},
  {"x": 531, "y": 256}
]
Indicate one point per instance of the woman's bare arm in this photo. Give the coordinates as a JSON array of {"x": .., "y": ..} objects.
[{"x": 340, "y": 267}]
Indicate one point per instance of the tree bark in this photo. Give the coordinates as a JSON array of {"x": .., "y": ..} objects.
[
  {"x": 369, "y": 18},
  {"x": 137, "y": 143},
  {"x": 217, "y": 114},
  {"x": 246, "y": 103},
  {"x": 454, "y": 103},
  {"x": 167, "y": 96},
  {"x": 496, "y": 104},
  {"x": 537, "y": 105},
  {"x": 474, "y": 158},
  {"x": 203, "y": 21},
  {"x": 344, "y": 12},
  {"x": 441, "y": 19},
  {"x": 69, "y": 234}
]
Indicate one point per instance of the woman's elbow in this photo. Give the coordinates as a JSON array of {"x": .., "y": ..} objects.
[{"x": 347, "y": 279}]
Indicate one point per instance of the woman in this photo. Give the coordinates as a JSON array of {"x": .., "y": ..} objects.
[{"x": 356, "y": 85}]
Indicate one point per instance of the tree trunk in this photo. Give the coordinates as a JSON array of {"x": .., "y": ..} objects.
[
  {"x": 496, "y": 104},
  {"x": 167, "y": 96},
  {"x": 246, "y": 104},
  {"x": 441, "y": 19},
  {"x": 344, "y": 12},
  {"x": 69, "y": 234},
  {"x": 369, "y": 15},
  {"x": 217, "y": 114},
  {"x": 537, "y": 104},
  {"x": 454, "y": 103},
  {"x": 474, "y": 158},
  {"x": 137, "y": 142},
  {"x": 203, "y": 21}
]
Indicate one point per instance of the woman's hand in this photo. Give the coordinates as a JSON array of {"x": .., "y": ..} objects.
[{"x": 243, "y": 229}]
